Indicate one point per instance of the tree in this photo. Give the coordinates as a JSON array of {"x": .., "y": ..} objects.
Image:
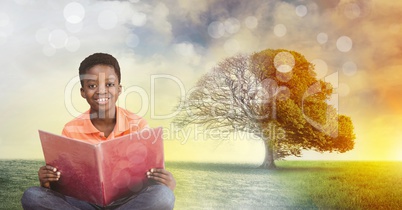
[{"x": 273, "y": 94}]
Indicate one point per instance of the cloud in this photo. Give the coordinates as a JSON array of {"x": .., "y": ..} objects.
[
  {"x": 191, "y": 12},
  {"x": 159, "y": 19},
  {"x": 187, "y": 52}
]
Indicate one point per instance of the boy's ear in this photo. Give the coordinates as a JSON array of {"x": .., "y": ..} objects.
[
  {"x": 119, "y": 89},
  {"x": 82, "y": 92}
]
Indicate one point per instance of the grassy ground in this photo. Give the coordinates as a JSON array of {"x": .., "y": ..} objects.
[
  {"x": 345, "y": 185},
  {"x": 294, "y": 185}
]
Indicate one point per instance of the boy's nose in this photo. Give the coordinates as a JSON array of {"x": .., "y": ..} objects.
[{"x": 101, "y": 89}]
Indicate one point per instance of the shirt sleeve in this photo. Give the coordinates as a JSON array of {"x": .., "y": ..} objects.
[{"x": 65, "y": 133}]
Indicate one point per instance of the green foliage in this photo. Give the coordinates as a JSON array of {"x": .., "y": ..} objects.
[{"x": 309, "y": 122}]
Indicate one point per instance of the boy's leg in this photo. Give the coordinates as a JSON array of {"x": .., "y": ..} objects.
[
  {"x": 154, "y": 197},
  {"x": 43, "y": 198}
]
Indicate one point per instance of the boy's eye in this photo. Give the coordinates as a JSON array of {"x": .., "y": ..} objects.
[
  {"x": 109, "y": 84},
  {"x": 92, "y": 86}
]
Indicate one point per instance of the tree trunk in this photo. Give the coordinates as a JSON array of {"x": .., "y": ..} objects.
[{"x": 269, "y": 162}]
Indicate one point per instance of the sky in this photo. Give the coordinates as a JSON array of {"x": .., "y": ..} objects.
[{"x": 164, "y": 47}]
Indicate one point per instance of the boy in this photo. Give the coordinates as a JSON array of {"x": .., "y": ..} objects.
[{"x": 100, "y": 86}]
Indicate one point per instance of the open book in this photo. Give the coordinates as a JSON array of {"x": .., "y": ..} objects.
[{"x": 101, "y": 173}]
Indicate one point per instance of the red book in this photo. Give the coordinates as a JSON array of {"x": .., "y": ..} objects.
[{"x": 104, "y": 172}]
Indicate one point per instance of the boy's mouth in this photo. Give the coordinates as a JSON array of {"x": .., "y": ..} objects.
[{"x": 102, "y": 100}]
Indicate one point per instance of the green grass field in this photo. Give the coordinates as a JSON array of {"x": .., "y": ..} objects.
[{"x": 294, "y": 185}]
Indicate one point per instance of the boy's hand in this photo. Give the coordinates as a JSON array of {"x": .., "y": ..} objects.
[
  {"x": 48, "y": 174},
  {"x": 162, "y": 176}
]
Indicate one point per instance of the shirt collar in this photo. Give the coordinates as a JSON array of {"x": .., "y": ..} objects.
[{"x": 122, "y": 123}]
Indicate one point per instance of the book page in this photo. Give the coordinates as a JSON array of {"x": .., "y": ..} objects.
[
  {"x": 77, "y": 162},
  {"x": 127, "y": 159}
]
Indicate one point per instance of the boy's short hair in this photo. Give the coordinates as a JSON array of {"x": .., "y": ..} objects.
[{"x": 99, "y": 59}]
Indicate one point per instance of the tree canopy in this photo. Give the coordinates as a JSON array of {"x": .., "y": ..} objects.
[{"x": 275, "y": 95}]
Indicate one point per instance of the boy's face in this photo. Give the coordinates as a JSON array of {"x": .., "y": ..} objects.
[{"x": 101, "y": 88}]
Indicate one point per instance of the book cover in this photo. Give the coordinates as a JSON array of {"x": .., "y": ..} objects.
[{"x": 103, "y": 172}]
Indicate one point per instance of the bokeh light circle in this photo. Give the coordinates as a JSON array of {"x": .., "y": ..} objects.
[
  {"x": 284, "y": 62},
  {"x": 251, "y": 22},
  {"x": 121, "y": 176},
  {"x": 320, "y": 68},
  {"x": 352, "y": 10},
  {"x": 349, "y": 68},
  {"x": 232, "y": 25},
  {"x": 322, "y": 38},
  {"x": 284, "y": 73},
  {"x": 139, "y": 19},
  {"x": 344, "y": 44},
  {"x": 107, "y": 19},
  {"x": 73, "y": 44},
  {"x": 58, "y": 38},
  {"x": 280, "y": 30},
  {"x": 216, "y": 29},
  {"x": 74, "y": 12},
  {"x": 137, "y": 153},
  {"x": 284, "y": 93},
  {"x": 132, "y": 40},
  {"x": 301, "y": 10}
]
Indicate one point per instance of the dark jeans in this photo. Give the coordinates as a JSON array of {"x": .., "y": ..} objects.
[{"x": 158, "y": 197}]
